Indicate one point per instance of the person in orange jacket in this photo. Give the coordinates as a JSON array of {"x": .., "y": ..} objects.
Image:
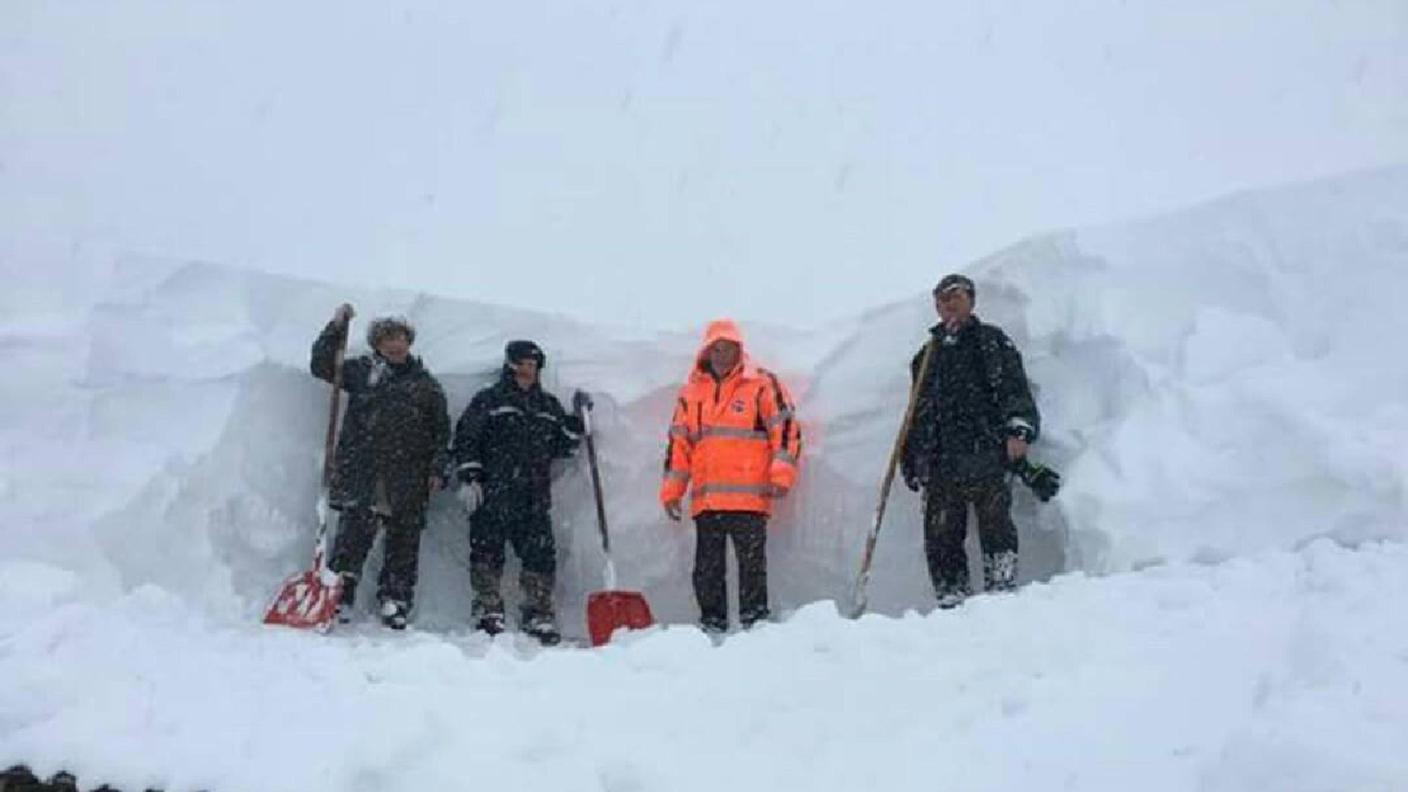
[{"x": 735, "y": 445}]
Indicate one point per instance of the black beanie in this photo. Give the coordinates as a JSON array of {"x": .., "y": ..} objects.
[
  {"x": 956, "y": 281},
  {"x": 515, "y": 351}
]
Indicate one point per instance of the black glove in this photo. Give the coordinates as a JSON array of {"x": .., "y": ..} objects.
[
  {"x": 581, "y": 400},
  {"x": 1042, "y": 480},
  {"x": 911, "y": 477},
  {"x": 343, "y": 315},
  {"x": 574, "y": 424}
]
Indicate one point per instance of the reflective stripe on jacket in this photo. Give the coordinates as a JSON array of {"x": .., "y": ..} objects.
[{"x": 732, "y": 438}]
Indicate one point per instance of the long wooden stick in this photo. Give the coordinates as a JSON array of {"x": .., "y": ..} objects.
[
  {"x": 859, "y": 595},
  {"x": 330, "y": 439}
]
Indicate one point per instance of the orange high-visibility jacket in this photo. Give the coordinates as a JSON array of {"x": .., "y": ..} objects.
[{"x": 733, "y": 438}]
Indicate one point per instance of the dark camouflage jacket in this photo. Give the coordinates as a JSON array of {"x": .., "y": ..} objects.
[
  {"x": 974, "y": 397},
  {"x": 508, "y": 437},
  {"x": 395, "y": 429}
]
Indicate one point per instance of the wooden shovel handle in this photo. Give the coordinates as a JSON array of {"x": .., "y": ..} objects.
[
  {"x": 596, "y": 481},
  {"x": 330, "y": 441}
]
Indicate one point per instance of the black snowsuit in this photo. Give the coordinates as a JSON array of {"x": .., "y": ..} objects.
[
  {"x": 974, "y": 397},
  {"x": 393, "y": 439},
  {"x": 507, "y": 439}
]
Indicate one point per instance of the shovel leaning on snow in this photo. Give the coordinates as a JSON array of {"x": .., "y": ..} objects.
[
  {"x": 611, "y": 609},
  {"x": 309, "y": 600}
]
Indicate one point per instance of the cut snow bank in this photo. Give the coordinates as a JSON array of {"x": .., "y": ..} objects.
[
  {"x": 1228, "y": 378},
  {"x": 1214, "y": 383}
]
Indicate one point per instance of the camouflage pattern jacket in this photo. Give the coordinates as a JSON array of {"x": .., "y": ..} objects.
[{"x": 396, "y": 429}]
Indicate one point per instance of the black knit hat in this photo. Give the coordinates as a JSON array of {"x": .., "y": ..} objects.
[
  {"x": 956, "y": 281},
  {"x": 515, "y": 351}
]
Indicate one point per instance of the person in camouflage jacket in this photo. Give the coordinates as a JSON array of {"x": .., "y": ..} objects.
[
  {"x": 391, "y": 454},
  {"x": 973, "y": 419}
]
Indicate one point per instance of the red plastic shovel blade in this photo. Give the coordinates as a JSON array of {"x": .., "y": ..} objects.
[
  {"x": 609, "y": 610},
  {"x": 306, "y": 602}
]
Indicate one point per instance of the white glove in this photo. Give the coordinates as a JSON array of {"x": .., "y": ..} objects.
[{"x": 471, "y": 495}]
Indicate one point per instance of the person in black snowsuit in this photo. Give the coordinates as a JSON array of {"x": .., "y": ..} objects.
[
  {"x": 505, "y": 442},
  {"x": 391, "y": 455},
  {"x": 974, "y": 417}
]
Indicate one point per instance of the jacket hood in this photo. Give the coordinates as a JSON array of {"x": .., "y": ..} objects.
[{"x": 720, "y": 330}]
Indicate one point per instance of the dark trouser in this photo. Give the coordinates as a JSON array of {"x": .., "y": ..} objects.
[
  {"x": 356, "y": 530},
  {"x": 749, "y": 532},
  {"x": 529, "y": 532},
  {"x": 946, "y": 525}
]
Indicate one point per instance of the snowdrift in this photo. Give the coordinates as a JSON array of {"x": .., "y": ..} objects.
[
  {"x": 1214, "y": 383},
  {"x": 1222, "y": 385}
]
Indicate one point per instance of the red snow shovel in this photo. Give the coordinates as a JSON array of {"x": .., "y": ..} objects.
[
  {"x": 611, "y": 609},
  {"x": 308, "y": 600}
]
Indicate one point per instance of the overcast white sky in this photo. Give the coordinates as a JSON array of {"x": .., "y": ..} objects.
[{"x": 659, "y": 163}]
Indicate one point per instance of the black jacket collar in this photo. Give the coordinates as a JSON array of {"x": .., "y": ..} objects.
[
  {"x": 938, "y": 331},
  {"x": 383, "y": 369}
]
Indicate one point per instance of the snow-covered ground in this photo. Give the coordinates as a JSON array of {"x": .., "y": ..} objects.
[
  {"x": 1215, "y": 600},
  {"x": 1281, "y": 670}
]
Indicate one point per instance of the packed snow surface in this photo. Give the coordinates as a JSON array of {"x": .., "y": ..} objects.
[
  {"x": 1273, "y": 671},
  {"x": 1215, "y": 600}
]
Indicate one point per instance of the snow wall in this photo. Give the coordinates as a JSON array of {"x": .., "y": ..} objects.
[{"x": 1215, "y": 382}]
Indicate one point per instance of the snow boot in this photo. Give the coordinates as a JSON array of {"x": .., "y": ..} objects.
[
  {"x": 349, "y": 598},
  {"x": 490, "y": 624},
  {"x": 537, "y": 617},
  {"x": 544, "y": 628},
  {"x": 1000, "y": 571},
  {"x": 486, "y": 609},
  {"x": 951, "y": 597},
  {"x": 748, "y": 620},
  {"x": 716, "y": 631},
  {"x": 395, "y": 614}
]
